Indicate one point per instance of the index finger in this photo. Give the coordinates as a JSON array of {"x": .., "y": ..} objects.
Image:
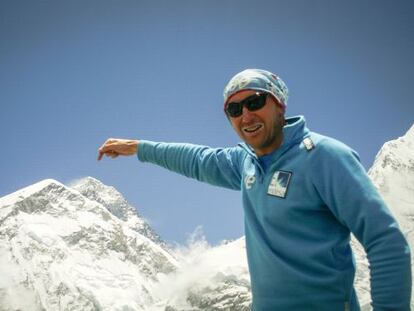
[{"x": 101, "y": 154}]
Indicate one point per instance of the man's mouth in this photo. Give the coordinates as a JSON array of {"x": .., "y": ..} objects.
[{"x": 252, "y": 128}]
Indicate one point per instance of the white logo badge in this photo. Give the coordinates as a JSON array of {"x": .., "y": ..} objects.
[
  {"x": 249, "y": 181},
  {"x": 279, "y": 184}
]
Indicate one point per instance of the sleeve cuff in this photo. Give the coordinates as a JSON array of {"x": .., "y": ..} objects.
[{"x": 143, "y": 147}]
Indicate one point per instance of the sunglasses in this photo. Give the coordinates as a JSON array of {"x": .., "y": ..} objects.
[{"x": 252, "y": 103}]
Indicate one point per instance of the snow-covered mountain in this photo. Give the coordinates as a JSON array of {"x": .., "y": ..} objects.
[
  {"x": 60, "y": 250},
  {"x": 393, "y": 175},
  {"x": 83, "y": 247},
  {"x": 116, "y": 204}
]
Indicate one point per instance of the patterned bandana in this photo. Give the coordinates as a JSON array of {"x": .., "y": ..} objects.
[{"x": 257, "y": 79}]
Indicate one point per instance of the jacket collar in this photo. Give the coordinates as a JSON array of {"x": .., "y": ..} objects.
[{"x": 294, "y": 132}]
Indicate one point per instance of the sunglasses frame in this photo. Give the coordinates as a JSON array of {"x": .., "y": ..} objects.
[{"x": 249, "y": 102}]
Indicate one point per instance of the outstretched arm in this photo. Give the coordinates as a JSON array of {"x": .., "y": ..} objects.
[{"x": 217, "y": 166}]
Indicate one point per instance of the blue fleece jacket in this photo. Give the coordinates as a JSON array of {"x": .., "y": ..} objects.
[{"x": 299, "y": 213}]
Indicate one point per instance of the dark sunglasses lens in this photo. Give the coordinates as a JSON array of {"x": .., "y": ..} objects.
[
  {"x": 234, "y": 109},
  {"x": 252, "y": 103},
  {"x": 256, "y": 103}
]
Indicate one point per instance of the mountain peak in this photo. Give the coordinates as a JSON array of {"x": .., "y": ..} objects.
[
  {"x": 88, "y": 180},
  {"x": 395, "y": 155},
  {"x": 61, "y": 250},
  {"x": 116, "y": 204},
  {"x": 408, "y": 137},
  {"x": 108, "y": 196},
  {"x": 28, "y": 191},
  {"x": 393, "y": 174},
  {"x": 410, "y": 133}
]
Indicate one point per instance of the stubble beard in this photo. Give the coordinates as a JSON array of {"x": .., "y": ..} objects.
[{"x": 274, "y": 137}]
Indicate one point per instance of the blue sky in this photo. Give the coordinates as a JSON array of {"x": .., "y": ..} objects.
[{"x": 73, "y": 73}]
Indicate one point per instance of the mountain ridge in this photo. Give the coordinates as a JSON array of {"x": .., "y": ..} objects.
[{"x": 70, "y": 252}]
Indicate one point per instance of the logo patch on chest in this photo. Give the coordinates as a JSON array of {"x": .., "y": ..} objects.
[
  {"x": 279, "y": 184},
  {"x": 249, "y": 181}
]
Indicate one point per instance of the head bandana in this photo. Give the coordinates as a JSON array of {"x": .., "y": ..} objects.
[{"x": 257, "y": 79}]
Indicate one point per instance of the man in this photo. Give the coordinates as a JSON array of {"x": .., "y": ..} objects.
[{"x": 303, "y": 193}]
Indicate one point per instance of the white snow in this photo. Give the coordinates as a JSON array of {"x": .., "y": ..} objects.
[{"x": 65, "y": 251}]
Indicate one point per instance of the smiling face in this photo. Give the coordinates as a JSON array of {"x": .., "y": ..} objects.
[{"x": 261, "y": 129}]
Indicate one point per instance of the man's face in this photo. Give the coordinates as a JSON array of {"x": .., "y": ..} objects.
[{"x": 261, "y": 129}]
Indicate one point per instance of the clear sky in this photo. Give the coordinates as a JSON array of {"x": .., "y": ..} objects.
[{"x": 73, "y": 73}]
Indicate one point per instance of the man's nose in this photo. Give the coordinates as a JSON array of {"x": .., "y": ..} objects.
[{"x": 246, "y": 114}]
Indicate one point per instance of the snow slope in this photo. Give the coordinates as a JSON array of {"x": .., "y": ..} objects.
[
  {"x": 62, "y": 251},
  {"x": 393, "y": 175}
]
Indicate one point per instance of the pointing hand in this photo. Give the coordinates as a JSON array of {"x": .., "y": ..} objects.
[{"x": 113, "y": 147}]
